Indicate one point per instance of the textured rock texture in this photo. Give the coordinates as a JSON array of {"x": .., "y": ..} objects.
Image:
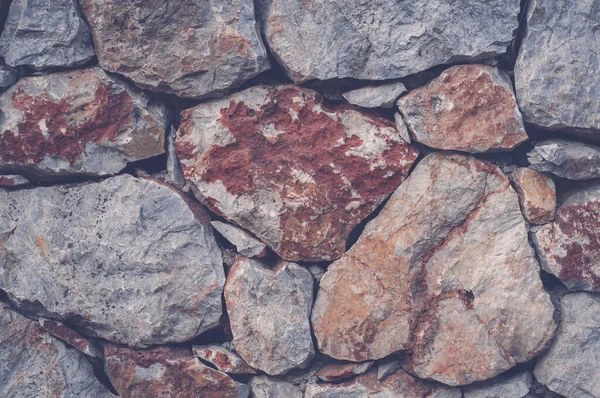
[
  {"x": 470, "y": 108},
  {"x": 246, "y": 244},
  {"x": 506, "y": 386},
  {"x": 70, "y": 337},
  {"x": 376, "y": 96},
  {"x": 297, "y": 173},
  {"x": 126, "y": 259},
  {"x": 223, "y": 359},
  {"x": 267, "y": 387},
  {"x": 77, "y": 122},
  {"x": 383, "y": 39},
  {"x": 446, "y": 271},
  {"x": 537, "y": 195},
  {"x": 183, "y": 47},
  {"x": 269, "y": 311},
  {"x": 566, "y": 159},
  {"x": 343, "y": 370}
]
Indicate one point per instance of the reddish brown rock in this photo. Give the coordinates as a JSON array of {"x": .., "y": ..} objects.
[
  {"x": 223, "y": 359},
  {"x": 70, "y": 337},
  {"x": 295, "y": 172},
  {"x": 537, "y": 195},
  {"x": 337, "y": 371},
  {"x": 166, "y": 372},
  {"x": 470, "y": 108}
]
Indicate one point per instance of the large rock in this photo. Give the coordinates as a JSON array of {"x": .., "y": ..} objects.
[
  {"x": 555, "y": 74},
  {"x": 297, "y": 173},
  {"x": 445, "y": 270},
  {"x": 566, "y": 159},
  {"x": 35, "y": 364},
  {"x": 571, "y": 367},
  {"x": 43, "y": 35},
  {"x": 77, "y": 122},
  {"x": 515, "y": 385},
  {"x": 569, "y": 247},
  {"x": 269, "y": 311},
  {"x": 537, "y": 195},
  {"x": 469, "y": 108},
  {"x": 383, "y": 39},
  {"x": 126, "y": 259},
  {"x": 185, "y": 47}
]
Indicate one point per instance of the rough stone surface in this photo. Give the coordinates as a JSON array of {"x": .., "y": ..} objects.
[
  {"x": 223, "y": 359},
  {"x": 569, "y": 247},
  {"x": 269, "y": 311},
  {"x": 81, "y": 121},
  {"x": 383, "y": 39},
  {"x": 337, "y": 371},
  {"x": 298, "y": 174},
  {"x": 537, "y": 195},
  {"x": 70, "y": 337},
  {"x": 167, "y": 372},
  {"x": 506, "y": 386},
  {"x": 267, "y": 387},
  {"x": 386, "y": 367},
  {"x": 174, "y": 172},
  {"x": 35, "y": 364},
  {"x": 126, "y": 259},
  {"x": 446, "y": 271},
  {"x": 470, "y": 108},
  {"x": 571, "y": 366},
  {"x": 43, "y": 35},
  {"x": 376, "y": 96},
  {"x": 183, "y": 47},
  {"x": 11, "y": 180},
  {"x": 555, "y": 74},
  {"x": 246, "y": 244},
  {"x": 566, "y": 159},
  {"x": 8, "y": 75}
]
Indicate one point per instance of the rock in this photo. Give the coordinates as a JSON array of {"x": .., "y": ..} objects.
[
  {"x": 44, "y": 35},
  {"x": 571, "y": 366},
  {"x": 70, "y": 337},
  {"x": 246, "y": 244},
  {"x": 446, "y": 271},
  {"x": 376, "y": 96},
  {"x": 566, "y": 159},
  {"x": 182, "y": 47},
  {"x": 174, "y": 172},
  {"x": 537, "y": 195},
  {"x": 166, "y": 372},
  {"x": 387, "y": 367},
  {"x": 402, "y": 128},
  {"x": 470, "y": 108},
  {"x": 268, "y": 387},
  {"x": 298, "y": 174},
  {"x": 269, "y": 311},
  {"x": 11, "y": 180},
  {"x": 127, "y": 260},
  {"x": 34, "y": 364},
  {"x": 337, "y": 371},
  {"x": 569, "y": 247},
  {"x": 223, "y": 359},
  {"x": 557, "y": 85},
  {"x": 383, "y": 39},
  {"x": 78, "y": 122},
  {"x": 515, "y": 385},
  {"x": 8, "y": 75}
]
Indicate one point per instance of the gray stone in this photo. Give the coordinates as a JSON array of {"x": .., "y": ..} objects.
[
  {"x": 387, "y": 367},
  {"x": 223, "y": 359},
  {"x": 571, "y": 366},
  {"x": 402, "y": 128},
  {"x": 268, "y": 387},
  {"x": 42, "y": 35},
  {"x": 128, "y": 260},
  {"x": 556, "y": 77},
  {"x": 246, "y": 244},
  {"x": 269, "y": 311},
  {"x": 515, "y": 385},
  {"x": 174, "y": 172},
  {"x": 188, "y": 48},
  {"x": 376, "y": 96},
  {"x": 8, "y": 75},
  {"x": 383, "y": 39},
  {"x": 566, "y": 159},
  {"x": 12, "y": 180}
]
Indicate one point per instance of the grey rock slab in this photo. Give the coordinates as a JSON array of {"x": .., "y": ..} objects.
[
  {"x": 566, "y": 159},
  {"x": 246, "y": 244},
  {"x": 269, "y": 387},
  {"x": 376, "y": 96},
  {"x": 128, "y": 260},
  {"x": 515, "y": 385}
]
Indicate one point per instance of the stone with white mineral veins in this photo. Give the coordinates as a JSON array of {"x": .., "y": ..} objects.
[
  {"x": 42, "y": 35},
  {"x": 223, "y": 359},
  {"x": 297, "y": 173},
  {"x": 557, "y": 84},
  {"x": 246, "y": 244},
  {"x": 571, "y": 366},
  {"x": 470, "y": 108},
  {"x": 127, "y": 260},
  {"x": 184, "y": 47},
  {"x": 537, "y": 195},
  {"x": 77, "y": 122},
  {"x": 35, "y": 364},
  {"x": 383, "y": 39},
  {"x": 269, "y": 312},
  {"x": 515, "y": 385},
  {"x": 375, "y": 96},
  {"x": 446, "y": 271},
  {"x": 268, "y": 387},
  {"x": 566, "y": 159},
  {"x": 10, "y": 180}
]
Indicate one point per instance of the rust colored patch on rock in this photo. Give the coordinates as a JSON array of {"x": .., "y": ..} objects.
[
  {"x": 69, "y": 336},
  {"x": 537, "y": 195}
]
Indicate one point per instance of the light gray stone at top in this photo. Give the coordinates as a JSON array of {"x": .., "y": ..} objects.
[{"x": 376, "y": 96}]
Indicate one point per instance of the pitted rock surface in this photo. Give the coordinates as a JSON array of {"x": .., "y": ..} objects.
[
  {"x": 182, "y": 47},
  {"x": 567, "y": 159},
  {"x": 78, "y": 122},
  {"x": 537, "y": 195},
  {"x": 297, "y": 173},
  {"x": 126, "y": 259},
  {"x": 223, "y": 359},
  {"x": 470, "y": 108},
  {"x": 446, "y": 271}
]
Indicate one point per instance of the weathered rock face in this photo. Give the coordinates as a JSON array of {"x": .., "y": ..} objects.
[
  {"x": 376, "y": 96},
  {"x": 267, "y": 387},
  {"x": 293, "y": 171},
  {"x": 183, "y": 47},
  {"x": 537, "y": 195},
  {"x": 572, "y": 366},
  {"x": 383, "y": 39},
  {"x": 269, "y": 311},
  {"x": 444, "y": 270},
  {"x": 223, "y": 359},
  {"x": 566, "y": 159},
  {"x": 506, "y": 386},
  {"x": 77, "y": 122},
  {"x": 557, "y": 84},
  {"x": 44, "y": 35},
  {"x": 70, "y": 337},
  {"x": 469, "y": 108},
  {"x": 569, "y": 247},
  {"x": 166, "y": 372},
  {"x": 246, "y": 244},
  {"x": 34, "y": 364},
  {"x": 126, "y": 259}
]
